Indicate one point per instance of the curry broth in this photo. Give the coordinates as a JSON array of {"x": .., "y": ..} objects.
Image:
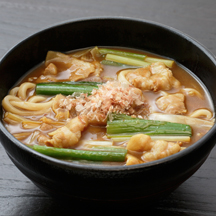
[{"x": 109, "y": 73}]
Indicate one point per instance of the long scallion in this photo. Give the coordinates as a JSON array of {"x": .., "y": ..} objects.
[
  {"x": 123, "y": 124},
  {"x": 126, "y": 60},
  {"x": 105, "y": 148},
  {"x": 126, "y": 137},
  {"x": 136, "y": 56},
  {"x": 66, "y": 88},
  {"x": 73, "y": 154},
  {"x": 122, "y": 53},
  {"x": 112, "y": 63},
  {"x": 167, "y": 62}
]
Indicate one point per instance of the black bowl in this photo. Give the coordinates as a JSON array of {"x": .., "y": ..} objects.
[{"x": 144, "y": 182}]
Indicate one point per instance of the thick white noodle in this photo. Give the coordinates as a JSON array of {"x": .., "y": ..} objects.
[
  {"x": 36, "y": 99},
  {"x": 121, "y": 76},
  {"x": 195, "y": 122},
  {"x": 18, "y": 101},
  {"x": 31, "y": 106},
  {"x": 192, "y": 92},
  {"x": 202, "y": 113},
  {"x": 24, "y": 87},
  {"x": 17, "y": 106},
  {"x": 14, "y": 91}
]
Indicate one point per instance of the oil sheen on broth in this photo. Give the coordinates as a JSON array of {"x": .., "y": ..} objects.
[{"x": 195, "y": 98}]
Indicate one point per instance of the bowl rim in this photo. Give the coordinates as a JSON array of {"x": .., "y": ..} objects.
[{"x": 68, "y": 164}]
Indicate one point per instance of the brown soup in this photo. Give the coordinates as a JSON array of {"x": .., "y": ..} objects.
[{"x": 153, "y": 88}]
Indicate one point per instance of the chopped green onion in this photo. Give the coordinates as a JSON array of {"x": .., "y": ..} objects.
[
  {"x": 126, "y": 60},
  {"x": 105, "y": 148},
  {"x": 122, "y": 53},
  {"x": 143, "y": 58},
  {"x": 66, "y": 88},
  {"x": 121, "y": 138},
  {"x": 116, "y": 116},
  {"x": 123, "y": 124},
  {"x": 112, "y": 63},
  {"x": 168, "y": 63},
  {"x": 73, "y": 154}
]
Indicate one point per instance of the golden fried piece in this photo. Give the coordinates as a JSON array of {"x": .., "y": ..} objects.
[
  {"x": 42, "y": 139},
  {"x": 51, "y": 69},
  {"x": 62, "y": 138},
  {"x": 151, "y": 150},
  {"x": 62, "y": 113},
  {"x": 161, "y": 149},
  {"x": 80, "y": 69},
  {"x": 153, "y": 78},
  {"x": 69, "y": 67},
  {"x": 132, "y": 160},
  {"x": 139, "y": 143},
  {"x": 172, "y": 103},
  {"x": 68, "y": 135},
  {"x": 45, "y": 127}
]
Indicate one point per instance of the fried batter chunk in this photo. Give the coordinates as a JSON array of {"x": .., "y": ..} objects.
[
  {"x": 80, "y": 69},
  {"x": 69, "y": 67},
  {"x": 68, "y": 135},
  {"x": 161, "y": 149},
  {"x": 132, "y": 160},
  {"x": 139, "y": 143},
  {"x": 172, "y": 103},
  {"x": 51, "y": 69},
  {"x": 62, "y": 113},
  {"x": 151, "y": 150},
  {"x": 153, "y": 78}
]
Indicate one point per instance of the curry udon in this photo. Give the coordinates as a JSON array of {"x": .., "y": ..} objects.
[{"x": 116, "y": 105}]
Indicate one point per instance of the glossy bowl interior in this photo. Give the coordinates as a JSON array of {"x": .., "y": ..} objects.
[{"x": 148, "y": 181}]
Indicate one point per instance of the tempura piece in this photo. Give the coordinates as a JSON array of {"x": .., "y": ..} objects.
[
  {"x": 61, "y": 112},
  {"x": 152, "y": 150},
  {"x": 68, "y": 135},
  {"x": 202, "y": 113},
  {"x": 172, "y": 103},
  {"x": 76, "y": 68},
  {"x": 132, "y": 160},
  {"x": 161, "y": 149},
  {"x": 153, "y": 78},
  {"x": 51, "y": 69},
  {"x": 140, "y": 143},
  {"x": 80, "y": 69}
]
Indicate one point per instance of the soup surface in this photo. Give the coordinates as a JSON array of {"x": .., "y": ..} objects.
[{"x": 114, "y": 106}]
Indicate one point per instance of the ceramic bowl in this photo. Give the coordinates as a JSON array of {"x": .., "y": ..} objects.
[{"x": 146, "y": 182}]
